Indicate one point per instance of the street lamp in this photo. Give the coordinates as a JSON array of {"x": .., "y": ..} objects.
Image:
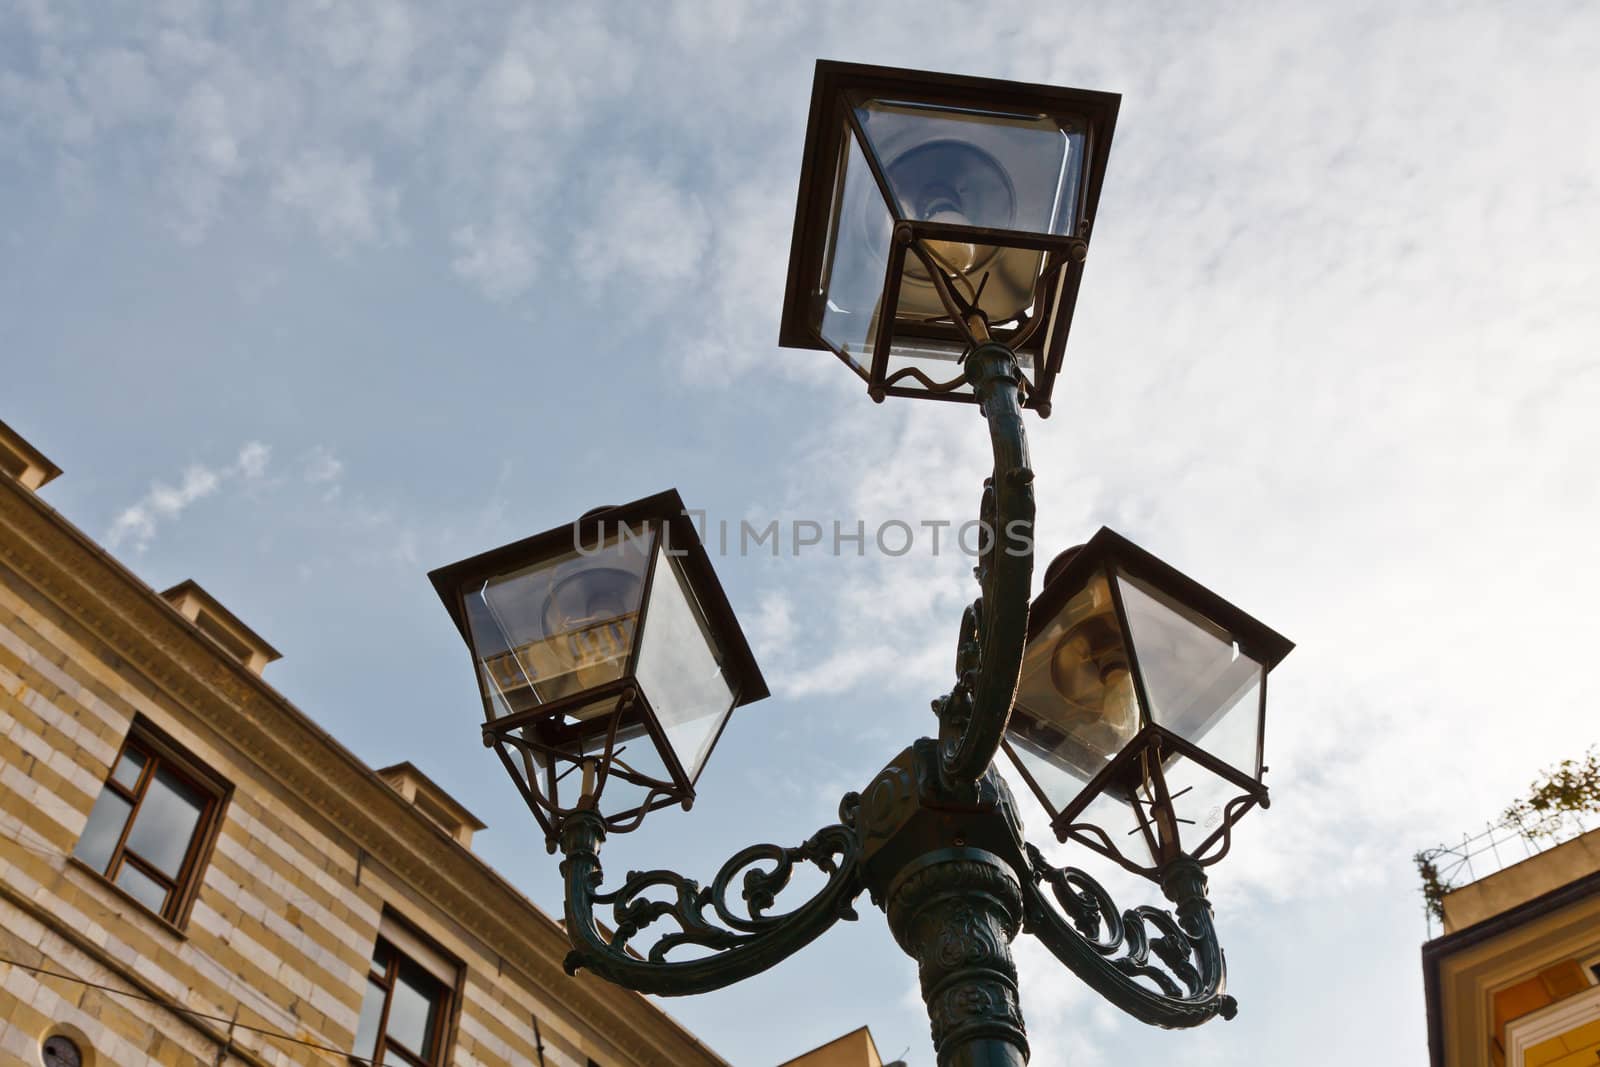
[
  {"x": 939, "y": 242},
  {"x": 608, "y": 660},
  {"x": 1139, "y": 714},
  {"x": 932, "y": 206}
]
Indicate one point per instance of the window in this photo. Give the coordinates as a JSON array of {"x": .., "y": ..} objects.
[
  {"x": 59, "y": 1050},
  {"x": 151, "y": 824},
  {"x": 406, "y": 1009}
]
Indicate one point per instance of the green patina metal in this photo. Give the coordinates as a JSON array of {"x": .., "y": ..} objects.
[{"x": 934, "y": 839}]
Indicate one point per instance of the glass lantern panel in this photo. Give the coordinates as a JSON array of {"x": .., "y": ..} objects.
[
  {"x": 857, "y": 259},
  {"x": 531, "y": 766},
  {"x": 1004, "y": 280},
  {"x": 1199, "y": 799},
  {"x": 1054, "y": 785},
  {"x": 1199, "y": 684},
  {"x": 680, "y": 668},
  {"x": 977, "y": 168},
  {"x": 935, "y": 358},
  {"x": 1076, "y": 707},
  {"x": 560, "y": 626},
  {"x": 576, "y": 738},
  {"x": 635, "y": 757},
  {"x": 1120, "y": 822},
  {"x": 1005, "y": 296},
  {"x": 981, "y": 169}
]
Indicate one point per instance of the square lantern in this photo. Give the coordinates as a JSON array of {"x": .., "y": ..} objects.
[
  {"x": 994, "y": 184},
  {"x": 608, "y": 660},
  {"x": 1141, "y": 706}
]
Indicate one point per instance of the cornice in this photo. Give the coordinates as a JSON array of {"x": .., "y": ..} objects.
[{"x": 83, "y": 580}]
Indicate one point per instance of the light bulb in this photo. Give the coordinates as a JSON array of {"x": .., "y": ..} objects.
[
  {"x": 954, "y": 182},
  {"x": 589, "y": 621},
  {"x": 590, "y": 596},
  {"x": 1118, "y": 707},
  {"x": 1089, "y": 671}
]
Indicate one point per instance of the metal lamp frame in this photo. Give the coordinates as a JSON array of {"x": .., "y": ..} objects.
[
  {"x": 671, "y": 531},
  {"x": 837, "y": 88},
  {"x": 1112, "y": 554}
]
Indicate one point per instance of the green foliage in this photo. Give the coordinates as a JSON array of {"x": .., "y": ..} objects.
[
  {"x": 1433, "y": 889},
  {"x": 1571, "y": 788}
]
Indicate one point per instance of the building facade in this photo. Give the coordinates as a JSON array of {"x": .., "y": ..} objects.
[
  {"x": 855, "y": 1049},
  {"x": 192, "y": 872},
  {"x": 1514, "y": 979}
]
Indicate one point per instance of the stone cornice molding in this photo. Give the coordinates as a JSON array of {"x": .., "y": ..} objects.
[{"x": 100, "y": 594}]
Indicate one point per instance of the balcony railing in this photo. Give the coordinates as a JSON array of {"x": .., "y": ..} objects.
[{"x": 1494, "y": 848}]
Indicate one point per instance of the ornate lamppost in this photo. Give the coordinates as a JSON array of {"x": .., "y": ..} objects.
[{"x": 939, "y": 242}]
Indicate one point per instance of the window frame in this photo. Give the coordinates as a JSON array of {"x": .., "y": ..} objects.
[
  {"x": 437, "y": 1054},
  {"x": 160, "y": 751}
]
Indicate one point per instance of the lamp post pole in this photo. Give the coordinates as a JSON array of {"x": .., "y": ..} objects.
[
  {"x": 947, "y": 865},
  {"x": 955, "y": 903}
]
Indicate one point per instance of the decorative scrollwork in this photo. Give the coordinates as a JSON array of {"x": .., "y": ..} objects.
[
  {"x": 1112, "y": 950},
  {"x": 972, "y": 718},
  {"x": 956, "y": 915},
  {"x": 743, "y": 940}
]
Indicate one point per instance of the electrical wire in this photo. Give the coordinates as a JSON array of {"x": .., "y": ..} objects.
[
  {"x": 52, "y": 851},
  {"x": 232, "y": 1024},
  {"x": 48, "y": 849}
]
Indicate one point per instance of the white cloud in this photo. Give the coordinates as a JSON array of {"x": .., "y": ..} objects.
[
  {"x": 650, "y": 232},
  {"x": 551, "y": 69},
  {"x": 323, "y": 469},
  {"x": 340, "y": 197},
  {"x": 322, "y": 466},
  {"x": 252, "y": 461},
  {"x": 773, "y": 627},
  {"x": 118, "y": 86},
  {"x": 501, "y": 260},
  {"x": 208, "y": 155},
  {"x": 164, "y": 504}
]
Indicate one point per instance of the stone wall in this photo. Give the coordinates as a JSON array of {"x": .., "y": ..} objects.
[{"x": 304, "y": 864}]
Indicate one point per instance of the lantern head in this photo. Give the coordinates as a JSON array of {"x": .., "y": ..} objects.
[
  {"x": 607, "y": 657},
  {"x": 913, "y": 181},
  {"x": 1140, "y": 710}
]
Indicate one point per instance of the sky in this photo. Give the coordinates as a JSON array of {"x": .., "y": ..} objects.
[{"x": 308, "y": 298}]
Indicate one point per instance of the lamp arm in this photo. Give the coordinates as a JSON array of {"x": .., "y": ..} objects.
[
  {"x": 972, "y": 719},
  {"x": 1110, "y": 951},
  {"x": 743, "y": 941}
]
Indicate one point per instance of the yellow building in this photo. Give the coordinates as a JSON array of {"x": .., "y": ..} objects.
[
  {"x": 192, "y": 872},
  {"x": 855, "y": 1049},
  {"x": 1515, "y": 977}
]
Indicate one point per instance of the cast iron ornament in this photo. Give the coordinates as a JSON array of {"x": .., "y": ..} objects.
[
  {"x": 935, "y": 838},
  {"x": 743, "y": 941},
  {"x": 953, "y": 907}
]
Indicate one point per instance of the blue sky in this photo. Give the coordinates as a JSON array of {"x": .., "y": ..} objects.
[{"x": 309, "y": 298}]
